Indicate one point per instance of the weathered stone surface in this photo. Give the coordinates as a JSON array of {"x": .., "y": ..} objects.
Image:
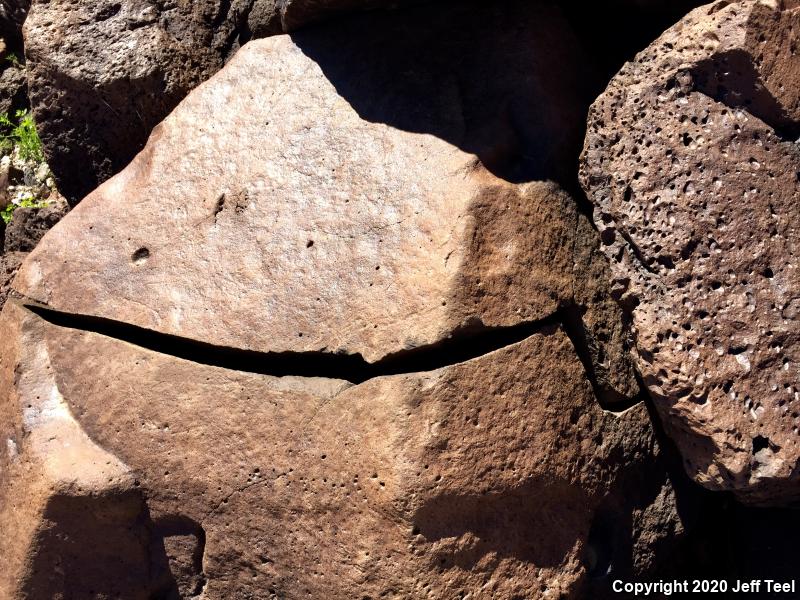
[
  {"x": 499, "y": 474},
  {"x": 601, "y": 327},
  {"x": 59, "y": 492},
  {"x": 196, "y": 382},
  {"x": 392, "y": 165},
  {"x": 9, "y": 265},
  {"x": 29, "y": 224},
  {"x": 692, "y": 165},
  {"x": 13, "y": 87},
  {"x": 103, "y": 73}
]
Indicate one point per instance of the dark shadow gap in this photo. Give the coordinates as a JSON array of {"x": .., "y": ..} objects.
[
  {"x": 501, "y": 81},
  {"x": 608, "y": 399},
  {"x": 466, "y": 343}
]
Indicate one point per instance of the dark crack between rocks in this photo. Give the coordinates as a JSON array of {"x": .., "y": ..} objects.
[{"x": 463, "y": 344}]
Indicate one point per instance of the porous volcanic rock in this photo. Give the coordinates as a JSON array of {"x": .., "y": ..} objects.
[
  {"x": 299, "y": 348},
  {"x": 13, "y": 87},
  {"x": 29, "y": 225},
  {"x": 102, "y": 74},
  {"x": 692, "y": 164},
  {"x": 9, "y": 265}
]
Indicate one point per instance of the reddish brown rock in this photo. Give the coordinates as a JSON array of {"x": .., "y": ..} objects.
[
  {"x": 9, "y": 265},
  {"x": 410, "y": 216},
  {"x": 29, "y": 225},
  {"x": 487, "y": 474},
  {"x": 103, "y": 73},
  {"x": 300, "y": 348},
  {"x": 691, "y": 163}
]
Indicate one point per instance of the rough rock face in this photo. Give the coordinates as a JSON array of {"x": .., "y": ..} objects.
[
  {"x": 359, "y": 149},
  {"x": 298, "y": 348},
  {"x": 103, "y": 73},
  {"x": 691, "y": 163},
  {"x": 30, "y": 224},
  {"x": 9, "y": 265},
  {"x": 13, "y": 87},
  {"x": 21, "y": 236},
  {"x": 488, "y": 474}
]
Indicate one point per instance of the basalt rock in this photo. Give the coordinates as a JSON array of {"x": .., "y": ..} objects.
[
  {"x": 499, "y": 473},
  {"x": 9, "y": 265},
  {"x": 29, "y": 225},
  {"x": 360, "y": 145},
  {"x": 103, "y": 73},
  {"x": 691, "y": 162},
  {"x": 310, "y": 345},
  {"x": 13, "y": 87}
]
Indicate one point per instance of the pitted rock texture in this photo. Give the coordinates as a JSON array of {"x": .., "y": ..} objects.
[
  {"x": 499, "y": 474},
  {"x": 103, "y": 73},
  {"x": 13, "y": 87},
  {"x": 402, "y": 168},
  {"x": 293, "y": 217},
  {"x": 692, "y": 165}
]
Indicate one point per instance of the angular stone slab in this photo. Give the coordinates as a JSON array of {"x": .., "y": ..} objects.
[{"x": 290, "y": 204}]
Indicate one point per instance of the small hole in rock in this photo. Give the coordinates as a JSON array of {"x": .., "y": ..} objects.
[
  {"x": 759, "y": 443},
  {"x": 140, "y": 256}
]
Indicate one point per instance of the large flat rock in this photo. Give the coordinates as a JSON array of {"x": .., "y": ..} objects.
[
  {"x": 102, "y": 74},
  {"x": 327, "y": 193},
  {"x": 144, "y": 474}
]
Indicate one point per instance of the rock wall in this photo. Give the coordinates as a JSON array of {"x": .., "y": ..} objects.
[{"x": 342, "y": 314}]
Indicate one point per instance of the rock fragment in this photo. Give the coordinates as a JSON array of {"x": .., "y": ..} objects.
[
  {"x": 29, "y": 225},
  {"x": 434, "y": 482},
  {"x": 102, "y": 74},
  {"x": 691, "y": 163},
  {"x": 9, "y": 265},
  {"x": 408, "y": 187}
]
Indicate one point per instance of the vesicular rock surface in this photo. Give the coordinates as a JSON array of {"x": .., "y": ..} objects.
[
  {"x": 692, "y": 164},
  {"x": 488, "y": 474},
  {"x": 302, "y": 348}
]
